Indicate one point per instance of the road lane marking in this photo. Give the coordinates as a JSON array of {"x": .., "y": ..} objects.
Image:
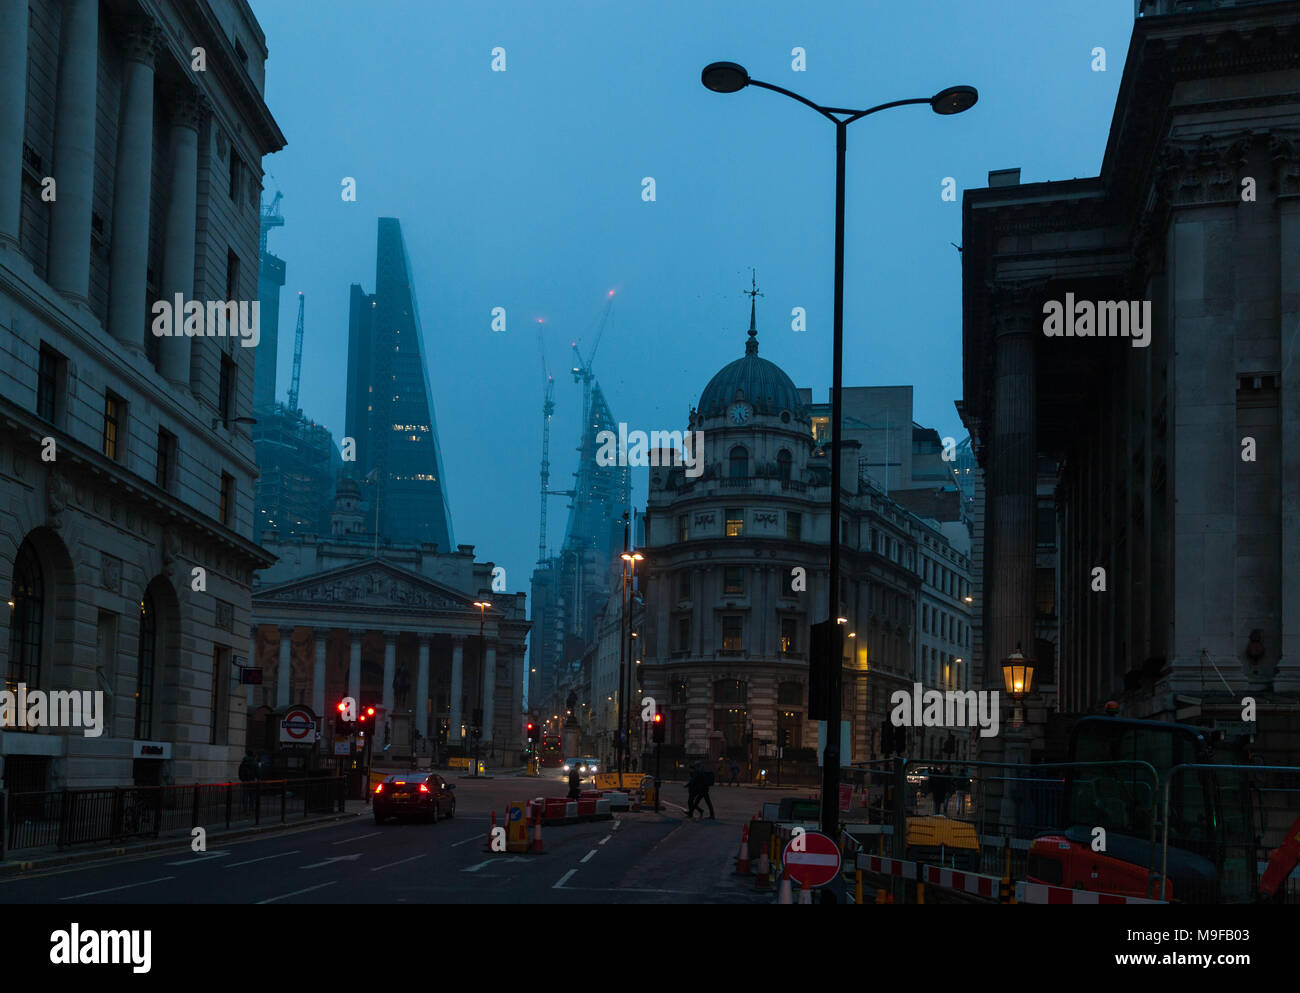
[
  {"x": 564, "y": 879},
  {"x": 348, "y": 840},
  {"x": 338, "y": 858},
  {"x": 466, "y": 841},
  {"x": 391, "y": 864},
  {"x": 205, "y": 858},
  {"x": 235, "y": 865},
  {"x": 285, "y": 896},
  {"x": 606, "y": 838},
  {"x": 617, "y": 822},
  {"x": 113, "y": 889},
  {"x": 587, "y": 856}
]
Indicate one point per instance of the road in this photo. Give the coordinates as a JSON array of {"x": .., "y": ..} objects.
[{"x": 638, "y": 857}]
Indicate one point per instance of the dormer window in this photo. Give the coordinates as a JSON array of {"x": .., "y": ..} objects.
[{"x": 738, "y": 463}]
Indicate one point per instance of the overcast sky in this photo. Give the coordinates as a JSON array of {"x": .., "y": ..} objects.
[{"x": 522, "y": 189}]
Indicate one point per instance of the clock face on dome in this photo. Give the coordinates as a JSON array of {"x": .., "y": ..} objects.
[{"x": 740, "y": 413}]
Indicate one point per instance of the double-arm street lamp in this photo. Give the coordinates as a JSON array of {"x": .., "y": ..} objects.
[
  {"x": 630, "y": 559},
  {"x": 728, "y": 77},
  {"x": 477, "y": 717}
]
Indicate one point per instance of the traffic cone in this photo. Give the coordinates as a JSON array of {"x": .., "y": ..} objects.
[
  {"x": 492, "y": 831},
  {"x": 742, "y": 863},
  {"x": 537, "y": 833},
  {"x": 762, "y": 878},
  {"x": 805, "y": 895},
  {"x": 880, "y": 896},
  {"x": 783, "y": 891}
]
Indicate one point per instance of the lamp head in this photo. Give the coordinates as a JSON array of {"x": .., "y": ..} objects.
[
  {"x": 954, "y": 99},
  {"x": 724, "y": 77}
]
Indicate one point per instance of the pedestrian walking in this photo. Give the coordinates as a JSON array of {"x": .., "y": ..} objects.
[
  {"x": 735, "y": 771},
  {"x": 575, "y": 782},
  {"x": 703, "y": 780},
  {"x": 690, "y": 790}
]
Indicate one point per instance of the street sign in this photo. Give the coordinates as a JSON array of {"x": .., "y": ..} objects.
[
  {"x": 617, "y": 781},
  {"x": 516, "y": 828},
  {"x": 297, "y": 727},
  {"x": 817, "y": 864},
  {"x": 846, "y": 797},
  {"x": 342, "y": 746}
]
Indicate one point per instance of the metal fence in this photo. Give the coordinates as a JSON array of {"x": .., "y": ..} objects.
[{"x": 63, "y": 818}]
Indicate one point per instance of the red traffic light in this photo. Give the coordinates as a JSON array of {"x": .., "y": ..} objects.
[
  {"x": 341, "y": 707},
  {"x": 370, "y": 711},
  {"x": 658, "y": 718}
]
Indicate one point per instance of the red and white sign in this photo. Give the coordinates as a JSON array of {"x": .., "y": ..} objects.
[
  {"x": 815, "y": 861},
  {"x": 967, "y": 882},
  {"x": 297, "y": 727},
  {"x": 1043, "y": 893},
  {"x": 846, "y": 797}
]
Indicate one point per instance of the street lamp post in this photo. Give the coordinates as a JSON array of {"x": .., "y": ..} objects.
[
  {"x": 630, "y": 559},
  {"x": 728, "y": 77},
  {"x": 482, "y": 606}
]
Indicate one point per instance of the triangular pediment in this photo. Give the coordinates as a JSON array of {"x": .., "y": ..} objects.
[{"x": 372, "y": 583}]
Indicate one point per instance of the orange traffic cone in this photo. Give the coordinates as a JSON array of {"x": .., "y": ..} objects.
[
  {"x": 742, "y": 862},
  {"x": 762, "y": 878},
  {"x": 783, "y": 891},
  {"x": 492, "y": 831},
  {"x": 537, "y": 833}
]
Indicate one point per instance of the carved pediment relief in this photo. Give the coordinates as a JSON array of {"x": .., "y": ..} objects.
[{"x": 376, "y": 586}]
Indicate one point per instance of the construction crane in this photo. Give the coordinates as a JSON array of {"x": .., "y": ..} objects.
[
  {"x": 548, "y": 408},
  {"x": 270, "y": 219},
  {"x": 582, "y": 371},
  {"x": 297, "y": 356}
]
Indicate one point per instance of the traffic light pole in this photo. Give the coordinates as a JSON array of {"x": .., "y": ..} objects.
[{"x": 659, "y": 782}]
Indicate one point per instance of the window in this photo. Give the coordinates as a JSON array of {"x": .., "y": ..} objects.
[
  {"x": 790, "y": 695},
  {"x": 783, "y": 461},
  {"x": 1045, "y": 522},
  {"x": 733, "y": 579},
  {"x": 166, "y": 458},
  {"x": 683, "y": 526},
  {"x": 683, "y": 634},
  {"x": 793, "y": 525},
  {"x": 729, "y": 691},
  {"x": 684, "y": 585},
  {"x": 114, "y": 422},
  {"x": 224, "y": 389},
  {"x": 821, "y": 429},
  {"x": 925, "y": 618},
  {"x": 25, "y": 620},
  {"x": 789, "y": 636},
  {"x": 217, "y": 726},
  {"x": 145, "y": 654},
  {"x": 47, "y": 384},
  {"x": 1045, "y": 592},
  {"x": 232, "y": 276},
  {"x": 739, "y": 463},
  {"x": 235, "y": 172},
  {"x": 227, "y": 508},
  {"x": 679, "y": 691},
  {"x": 732, "y": 633},
  {"x": 735, "y": 522}
]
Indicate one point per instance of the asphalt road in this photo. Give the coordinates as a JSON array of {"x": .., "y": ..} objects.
[{"x": 635, "y": 858}]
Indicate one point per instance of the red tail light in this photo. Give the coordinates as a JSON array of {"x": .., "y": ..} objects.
[
  {"x": 423, "y": 786},
  {"x": 379, "y": 788}
]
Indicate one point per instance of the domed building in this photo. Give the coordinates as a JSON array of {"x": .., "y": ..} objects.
[{"x": 735, "y": 574}]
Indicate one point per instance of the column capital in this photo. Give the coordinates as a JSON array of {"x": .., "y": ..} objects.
[
  {"x": 189, "y": 109},
  {"x": 391, "y": 636},
  {"x": 357, "y": 633},
  {"x": 459, "y": 639},
  {"x": 142, "y": 39},
  {"x": 1016, "y": 305},
  {"x": 286, "y": 630}
]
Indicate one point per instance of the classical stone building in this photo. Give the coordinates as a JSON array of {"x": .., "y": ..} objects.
[
  {"x": 1179, "y": 456},
  {"x": 394, "y": 627},
  {"x": 736, "y": 571},
  {"x": 126, "y": 474}
]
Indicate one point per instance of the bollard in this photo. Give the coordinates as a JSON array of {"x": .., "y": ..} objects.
[
  {"x": 920, "y": 892},
  {"x": 880, "y": 896},
  {"x": 537, "y": 832},
  {"x": 857, "y": 887}
]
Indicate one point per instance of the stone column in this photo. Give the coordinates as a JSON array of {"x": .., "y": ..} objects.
[
  {"x": 13, "y": 113},
  {"x": 252, "y": 662},
  {"x": 422, "y": 688},
  {"x": 1286, "y": 154},
  {"x": 390, "y": 670},
  {"x": 318, "y": 672},
  {"x": 178, "y": 240},
  {"x": 354, "y": 667},
  {"x": 283, "y": 674},
  {"x": 129, "y": 254},
  {"x": 457, "y": 687},
  {"x": 489, "y": 687},
  {"x": 74, "y": 149}
]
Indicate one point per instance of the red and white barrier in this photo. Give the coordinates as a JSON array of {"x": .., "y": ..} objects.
[
  {"x": 967, "y": 882},
  {"x": 887, "y": 867},
  {"x": 1043, "y": 893}
]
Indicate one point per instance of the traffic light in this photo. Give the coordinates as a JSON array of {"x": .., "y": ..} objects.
[
  {"x": 657, "y": 728},
  {"x": 531, "y": 728},
  {"x": 345, "y": 725}
]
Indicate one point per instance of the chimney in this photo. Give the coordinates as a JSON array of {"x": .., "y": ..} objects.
[{"x": 1004, "y": 177}]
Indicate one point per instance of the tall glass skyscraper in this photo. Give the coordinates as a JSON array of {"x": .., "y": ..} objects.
[{"x": 390, "y": 404}]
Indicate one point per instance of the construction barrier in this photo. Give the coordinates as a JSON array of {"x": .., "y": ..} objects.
[
  {"x": 967, "y": 882},
  {"x": 887, "y": 867},
  {"x": 1043, "y": 893}
]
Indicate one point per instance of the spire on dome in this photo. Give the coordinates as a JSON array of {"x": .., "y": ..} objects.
[{"x": 751, "y": 346}]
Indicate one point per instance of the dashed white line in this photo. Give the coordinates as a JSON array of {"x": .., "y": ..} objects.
[
  {"x": 347, "y": 841},
  {"x": 391, "y": 864},
  {"x": 465, "y": 842},
  {"x": 285, "y": 896},
  {"x": 202, "y": 858},
  {"x": 605, "y": 839},
  {"x": 112, "y": 889},
  {"x": 564, "y": 879},
  {"x": 588, "y": 855},
  {"x": 235, "y": 865}
]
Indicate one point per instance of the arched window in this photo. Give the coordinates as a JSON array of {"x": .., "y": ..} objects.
[
  {"x": 27, "y": 603},
  {"x": 783, "y": 461},
  {"x": 146, "y": 653},
  {"x": 739, "y": 463}
]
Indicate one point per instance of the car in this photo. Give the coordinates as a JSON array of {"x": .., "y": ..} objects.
[
  {"x": 586, "y": 766},
  {"x": 421, "y": 794}
]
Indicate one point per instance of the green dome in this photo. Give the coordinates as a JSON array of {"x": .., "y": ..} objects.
[{"x": 762, "y": 384}]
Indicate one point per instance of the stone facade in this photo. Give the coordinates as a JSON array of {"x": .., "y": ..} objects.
[{"x": 127, "y": 481}]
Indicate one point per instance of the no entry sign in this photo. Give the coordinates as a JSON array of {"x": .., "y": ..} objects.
[
  {"x": 298, "y": 726},
  {"x": 814, "y": 862}
]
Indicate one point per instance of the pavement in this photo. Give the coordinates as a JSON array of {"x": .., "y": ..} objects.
[{"x": 637, "y": 857}]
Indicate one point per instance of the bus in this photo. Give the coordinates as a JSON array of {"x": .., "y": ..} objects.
[{"x": 551, "y": 752}]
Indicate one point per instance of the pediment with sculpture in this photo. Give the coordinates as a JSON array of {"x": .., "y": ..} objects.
[{"x": 373, "y": 584}]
